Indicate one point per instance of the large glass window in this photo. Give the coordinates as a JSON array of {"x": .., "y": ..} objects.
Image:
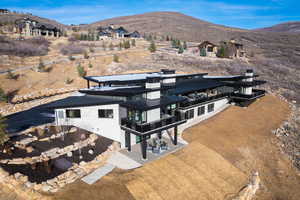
[
  {"x": 73, "y": 113},
  {"x": 189, "y": 114},
  {"x": 105, "y": 113},
  {"x": 211, "y": 107},
  {"x": 201, "y": 110}
]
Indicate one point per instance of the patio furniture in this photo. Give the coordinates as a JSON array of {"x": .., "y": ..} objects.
[
  {"x": 156, "y": 150},
  {"x": 164, "y": 146}
]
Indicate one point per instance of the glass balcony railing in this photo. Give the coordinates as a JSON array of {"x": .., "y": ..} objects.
[{"x": 161, "y": 123}]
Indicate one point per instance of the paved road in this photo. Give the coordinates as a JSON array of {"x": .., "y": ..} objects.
[{"x": 35, "y": 116}]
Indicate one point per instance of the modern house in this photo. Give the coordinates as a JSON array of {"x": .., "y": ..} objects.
[
  {"x": 234, "y": 49},
  {"x": 28, "y": 27},
  {"x": 111, "y": 32},
  {"x": 208, "y": 49},
  {"x": 131, "y": 108}
]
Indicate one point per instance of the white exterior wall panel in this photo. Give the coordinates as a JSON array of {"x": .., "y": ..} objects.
[{"x": 89, "y": 120}]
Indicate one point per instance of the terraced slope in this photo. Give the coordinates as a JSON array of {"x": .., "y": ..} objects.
[{"x": 222, "y": 152}]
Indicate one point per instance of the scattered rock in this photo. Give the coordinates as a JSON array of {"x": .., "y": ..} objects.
[
  {"x": 91, "y": 152},
  {"x": 46, "y": 188},
  {"x": 69, "y": 154},
  {"x": 82, "y": 163},
  {"x": 17, "y": 175}
]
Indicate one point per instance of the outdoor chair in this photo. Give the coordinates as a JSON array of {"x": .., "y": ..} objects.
[
  {"x": 156, "y": 150},
  {"x": 164, "y": 146}
]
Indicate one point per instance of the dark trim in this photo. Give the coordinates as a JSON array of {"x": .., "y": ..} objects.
[
  {"x": 127, "y": 140},
  {"x": 175, "y": 135},
  {"x": 144, "y": 147},
  {"x": 154, "y": 130}
]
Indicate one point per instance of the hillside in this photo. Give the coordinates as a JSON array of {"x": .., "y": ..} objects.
[
  {"x": 171, "y": 23},
  {"x": 12, "y": 17},
  {"x": 289, "y": 27}
]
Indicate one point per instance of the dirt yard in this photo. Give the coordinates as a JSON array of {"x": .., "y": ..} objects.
[{"x": 222, "y": 153}]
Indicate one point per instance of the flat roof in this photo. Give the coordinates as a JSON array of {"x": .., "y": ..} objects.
[
  {"x": 136, "y": 77},
  {"x": 80, "y": 101},
  {"x": 144, "y": 104},
  {"x": 194, "y": 85}
]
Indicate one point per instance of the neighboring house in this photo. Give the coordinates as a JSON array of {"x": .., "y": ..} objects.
[
  {"x": 111, "y": 32},
  {"x": 4, "y": 11},
  {"x": 208, "y": 49},
  {"x": 27, "y": 27},
  {"x": 131, "y": 108},
  {"x": 234, "y": 49},
  {"x": 134, "y": 34}
]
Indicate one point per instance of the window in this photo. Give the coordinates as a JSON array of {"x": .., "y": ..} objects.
[
  {"x": 189, "y": 114},
  {"x": 74, "y": 113},
  {"x": 105, "y": 113},
  {"x": 201, "y": 110},
  {"x": 211, "y": 107}
]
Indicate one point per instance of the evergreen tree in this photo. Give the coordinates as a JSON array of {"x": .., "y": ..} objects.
[
  {"x": 180, "y": 49},
  {"x": 152, "y": 47},
  {"x": 203, "y": 52},
  {"x": 3, "y": 132},
  {"x": 184, "y": 45},
  {"x": 81, "y": 71},
  {"x": 221, "y": 52}
]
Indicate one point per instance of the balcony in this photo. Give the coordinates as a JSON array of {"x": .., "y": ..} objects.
[
  {"x": 256, "y": 93},
  {"x": 189, "y": 103},
  {"x": 164, "y": 123}
]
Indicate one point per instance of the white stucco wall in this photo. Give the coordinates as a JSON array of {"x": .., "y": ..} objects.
[
  {"x": 153, "y": 95},
  {"x": 219, "y": 106},
  {"x": 153, "y": 115},
  {"x": 106, "y": 127}
]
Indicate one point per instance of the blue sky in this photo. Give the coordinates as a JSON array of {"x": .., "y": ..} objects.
[{"x": 237, "y": 13}]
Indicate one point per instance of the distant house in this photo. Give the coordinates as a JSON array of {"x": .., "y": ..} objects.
[
  {"x": 208, "y": 49},
  {"x": 4, "y": 11},
  {"x": 111, "y": 32},
  {"x": 134, "y": 34},
  {"x": 27, "y": 27},
  {"x": 234, "y": 49}
]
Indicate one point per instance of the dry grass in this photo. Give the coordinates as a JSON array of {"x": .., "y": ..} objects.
[{"x": 214, "y": 165}]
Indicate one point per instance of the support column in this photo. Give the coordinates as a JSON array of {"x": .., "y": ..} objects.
[
  {"x": 144, "y": 147},
  {"x": 175, "y": 135},
  {"x": 159, "y": 135},
  {"x": 127, "y": 141},
  {"x": 88, "y": 84}
]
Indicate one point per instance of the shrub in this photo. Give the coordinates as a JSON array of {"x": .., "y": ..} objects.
[
  {"x": 3, "y": 96},
  {"x": 41, "y": 67},
  {"x": 81, "y": 71},
  {"x": 111, "y": 46},
  {"x": 127, "y": 44},
  {"x": 91, "y": 49},
  {"x": 116, "y": 58},
  {"x": 10, "y": 75},
  {"x": 68, "y": 81},
  {"x": 71, "y": 58},
  {"x": 85, "y": 55},
  {"x": 152, "y": 47},
  {"x": 104, "y": 46},
  {"x": 72, "y": 48},
  {"x": 90, "y": 65},
  {"x": 3, "y": 133},
  {"x": 133, "y": 43},
  {"x": 120, "y": 46},
  {"x": 27, "y": 47}
]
